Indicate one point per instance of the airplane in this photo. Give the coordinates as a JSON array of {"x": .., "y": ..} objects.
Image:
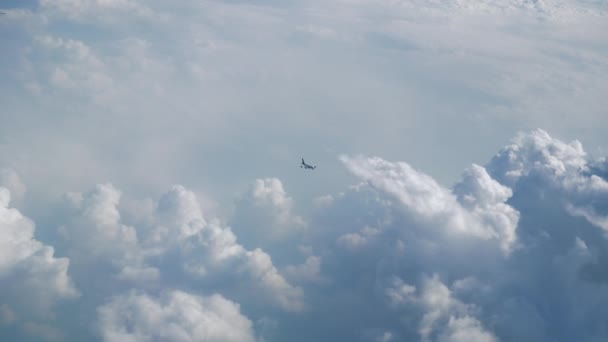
[{"x": 306, "y": 166}]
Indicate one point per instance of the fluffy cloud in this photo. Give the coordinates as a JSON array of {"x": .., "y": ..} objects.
[
  {"x": 441, "y": 309},
  {"x": 264, "y": 215},
  {"x": 33, "y": 279},
  {"x": 174, "y": 244},
  {"x": 510, "y": 252},
  {"x": 207, "y": 249},
  {"x": 562, "y": 168},
  {"x": 96, "y": 231},
  {"x": 507, "y": 243},
  {"x": 174, "y": 316},
  {"x": 95, "y": 90},
  {"x": 478, "y": 208}
]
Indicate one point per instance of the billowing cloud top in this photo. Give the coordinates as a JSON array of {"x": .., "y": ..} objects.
[
  {"x": 512, "y": 251},
  {"x": 149, "y": 187}
]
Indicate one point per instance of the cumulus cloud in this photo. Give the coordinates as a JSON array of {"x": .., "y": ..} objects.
[
  {"x": 33, "y": 279},
  {"x": 510, "y": 252},
  {"x": 478, "y": 210},
  {"x": 560, "y": 167},
  {"x": 174, "y": 244},
  {"x": 208, "y": 250},
  {"x": 96, "y": 231},
  {"x": 173, "y": 316},
  {"x": 439, "y": 306},
  {"x": 96, "y": 90},
  {"x": 505, "y": 254},
  {"x": 265, "y": 214}
]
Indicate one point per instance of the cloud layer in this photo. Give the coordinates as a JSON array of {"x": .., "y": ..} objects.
[
  {"x": 148, "y": 189},
  {"x": 287, "y": 79},
  {"x": 516, "y": 250}
]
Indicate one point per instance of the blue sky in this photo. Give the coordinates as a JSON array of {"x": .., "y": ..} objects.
[{"x": 149, "y": 159}]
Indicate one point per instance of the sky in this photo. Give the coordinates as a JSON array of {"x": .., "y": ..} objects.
[{"x": 150, "y": 187}]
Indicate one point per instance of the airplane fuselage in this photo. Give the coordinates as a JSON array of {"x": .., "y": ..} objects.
[{"x": 306, "y": 166}]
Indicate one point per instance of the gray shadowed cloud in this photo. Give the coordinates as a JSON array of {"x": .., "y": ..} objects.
[
  {"x": 106, "y": 105},
  {"x": 504, "y": 255},
  {"x": 513, "y": 250}
]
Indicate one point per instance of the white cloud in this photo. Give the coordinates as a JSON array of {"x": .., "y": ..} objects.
[
  {"x": 33, "y": 279},
  {"x": 209, "y": 250},
  {"x": 265, "y": 214},
  {"x": 538, "y": 153},
  {"x": 261, "y": 270},
  {"x": 465, "y": 329},
  {"x": 180, "y": 207},
  {"x": 399, "y": 292},
  {"x": 96, "y": 232},
  {"x": 351, "y": 240},
  {"x": 216, "y": 94},
  {"x": 175, "y": 243},
  {"x": 439, "y": 304},
  {"x": 540, "y": 249},
  {"x": 479, "y": 209},
  {"x": 561, "y": 167},
  {"x": 511, "y": 238},
  {"x": 173, "y": 316},
  {"x": 477, "y": 66}
]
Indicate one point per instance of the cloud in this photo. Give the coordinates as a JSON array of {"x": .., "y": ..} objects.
[
  {"x": 510, "y": 252},
  {"x": 438, "y": 303},
  {"x": 264, "y": 215},
  {"x": 91, "y": 9},
  {"x": 478, "y": 208},
  {"x": 173, "y": 316},
  {"x": 175, "y": 244},
  {"x": 483, "y": 68},
  {"x": 10, "y": 180},
  {"x": 310, "y": 270},
  {"x": 482, "y": 261},
  {"x": 96, "y": 231},
  {"x": 219, "y": 95},
  {"x": 210, "y": 250},
  {"x": 560, "y": 167},
  {"x": 33, "y": 280}
]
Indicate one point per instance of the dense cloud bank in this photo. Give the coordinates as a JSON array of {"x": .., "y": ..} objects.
[
  {"x": 517, "y": 250},
  {"x": 107, "y": 104},
  {"x": 96, "y": 90}
]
